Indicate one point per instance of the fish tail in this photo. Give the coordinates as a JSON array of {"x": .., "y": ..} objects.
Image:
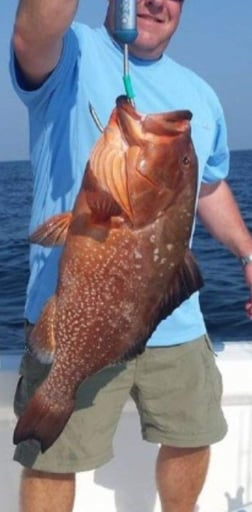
[{"x": 43, "y": 420}]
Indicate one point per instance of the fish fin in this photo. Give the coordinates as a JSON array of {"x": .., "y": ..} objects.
[
  {"x": 43, "y": 419},
  {"x": 134, "y": 351},
  {"x": 102, "y": 205},
  {"x": 41, "y": 339},
  {"x": 187, "y": 280},
  {"x": 53, "y": 231}
]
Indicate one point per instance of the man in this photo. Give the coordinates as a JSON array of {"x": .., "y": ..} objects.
[{"x": 57, "y": 71}]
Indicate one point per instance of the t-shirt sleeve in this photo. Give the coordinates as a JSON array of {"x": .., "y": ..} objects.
[
  {"x": 64, "y": 67},
  {"x": 217, "y": 165}
]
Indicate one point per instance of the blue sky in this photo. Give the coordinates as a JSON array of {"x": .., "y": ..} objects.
[{"x": 214, "y": 39}]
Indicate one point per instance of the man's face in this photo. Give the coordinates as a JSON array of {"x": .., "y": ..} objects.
[{"x": 157, "y": 21}]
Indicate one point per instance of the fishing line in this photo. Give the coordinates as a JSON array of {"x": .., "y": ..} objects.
[{"x": 125, "y": 32}]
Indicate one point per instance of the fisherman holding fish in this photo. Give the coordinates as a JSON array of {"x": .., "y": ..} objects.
[{"x": 111, "y": 271}]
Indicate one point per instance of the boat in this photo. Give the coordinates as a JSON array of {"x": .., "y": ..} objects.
[{"x": 126, "y": 484}]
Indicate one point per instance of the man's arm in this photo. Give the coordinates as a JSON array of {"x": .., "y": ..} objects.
[
  {"x": 38, "y": 34},
  {"x": 220, "y": 215}
]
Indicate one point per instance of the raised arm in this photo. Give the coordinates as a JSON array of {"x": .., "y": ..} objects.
[
  {"x": 38, "y": 35},
  {"x": 220, "y": 215}
]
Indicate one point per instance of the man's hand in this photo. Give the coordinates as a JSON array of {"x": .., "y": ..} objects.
[{"x": 248, "y": 278}]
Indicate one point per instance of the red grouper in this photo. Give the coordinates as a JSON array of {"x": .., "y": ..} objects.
[{"x": 125, "y": 263}]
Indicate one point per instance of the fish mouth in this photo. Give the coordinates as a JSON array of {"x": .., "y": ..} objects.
[
  {"x": 134, "y": 125},
  {"x": 123, "y": 104},
  {"x": 129, "y": 120}
]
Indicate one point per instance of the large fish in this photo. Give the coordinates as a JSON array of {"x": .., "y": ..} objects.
[{"x": 125, "y": 264}]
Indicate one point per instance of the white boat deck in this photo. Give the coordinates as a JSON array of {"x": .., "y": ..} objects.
[{"x": 126, "y": 484}]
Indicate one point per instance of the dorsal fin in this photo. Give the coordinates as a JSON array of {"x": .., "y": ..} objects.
[{"x": 186, "y": 281}]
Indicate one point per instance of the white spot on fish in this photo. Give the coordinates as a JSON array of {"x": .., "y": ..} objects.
[
  {"x": 137, "y": 254},
  {"x": 156, "y": 254}
]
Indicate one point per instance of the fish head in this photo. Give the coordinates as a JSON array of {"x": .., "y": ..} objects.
[
  {"x": 146, "y": 161},
  {"x": 166, "y": 158}
]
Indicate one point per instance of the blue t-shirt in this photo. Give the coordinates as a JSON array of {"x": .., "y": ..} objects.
[{"x": 62, "y": 134}]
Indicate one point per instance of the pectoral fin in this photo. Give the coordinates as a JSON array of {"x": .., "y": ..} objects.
[
  {"x": 53, "y": 231},
  {"x": 102, "y": 205}
]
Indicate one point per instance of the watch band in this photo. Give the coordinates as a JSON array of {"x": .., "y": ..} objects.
[{"x": 246, "y": 259}]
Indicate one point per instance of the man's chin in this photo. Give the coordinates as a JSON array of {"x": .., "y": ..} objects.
[{"x": 144, "y": 48}]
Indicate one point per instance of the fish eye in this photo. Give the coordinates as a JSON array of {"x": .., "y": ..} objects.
[{"x": 186, "y": 160}]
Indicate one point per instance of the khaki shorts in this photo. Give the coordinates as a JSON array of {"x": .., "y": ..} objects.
[{"x": 177, "y": 391}]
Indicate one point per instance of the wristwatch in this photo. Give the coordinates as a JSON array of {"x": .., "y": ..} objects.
[{"x": 246, "y": 259}]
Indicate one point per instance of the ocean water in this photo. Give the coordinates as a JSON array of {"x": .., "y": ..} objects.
[{"x": 224, "y": 292}]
